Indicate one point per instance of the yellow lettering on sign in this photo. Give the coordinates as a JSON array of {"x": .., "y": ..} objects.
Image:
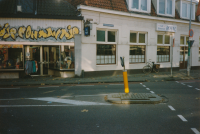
[
  {"x": 64, "y": 33},
  {"x": 42, "y": 34},
  {"x": 55, "y": 34},
  {"x": 13, "y": 31},
  {"x": 21, "y": 31},
  {"x": 28, "y": 32},
  {"x": 49, "y": 32},
  {"x": 7, "y": 33},
  {"x": 34, "y": 35},
  {"x": 75, "y": 31},
  {"x": 70, "y": 32},
  {"x": 2, "y": 32}
]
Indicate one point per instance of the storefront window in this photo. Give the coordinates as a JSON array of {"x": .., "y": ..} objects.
[
  {"x": 137, "y": 54},
  {"x": 106, "y": 54},
  {"x": 163, "y": 54},
  {"x": 11, "y": 56}
]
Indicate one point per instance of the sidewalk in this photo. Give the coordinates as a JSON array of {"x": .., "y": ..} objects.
[{"x": 152, "y": 77}]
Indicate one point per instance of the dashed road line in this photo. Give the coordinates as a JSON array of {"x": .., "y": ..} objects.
[
  {"x": 152, "y": 92},
  {"x": 144, "y": 86},
  {"x": 182, "y": 118},
  {"x": 195, "y": 130},
  {"x": 182, "y": 83},
  {"x": 197, "y": 89},
  {"x": 189, "y": 86},
  {"x": 177, "y": 82},
  {"x": 141, "y": 83},
  {"x": 171, "y": 108},
  {"x": 48, "y": 87},
  {"x": 147, "y": 88}
]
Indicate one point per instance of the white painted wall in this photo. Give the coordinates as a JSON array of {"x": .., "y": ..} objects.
[{"x": 124, "y": 25}]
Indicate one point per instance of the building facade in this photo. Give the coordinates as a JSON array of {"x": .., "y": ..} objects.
[
  {"x": 38, "y": 41},
  {"x": 140, "y": 31}
]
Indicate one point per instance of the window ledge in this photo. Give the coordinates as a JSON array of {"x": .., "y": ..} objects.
[
  {"x": 165, "y": 15},
  {"x": 136, "y": 10},
  {"x": 106, "y": 65}
]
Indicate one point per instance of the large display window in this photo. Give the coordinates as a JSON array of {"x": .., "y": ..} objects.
[{"x": 11, "y": 56}]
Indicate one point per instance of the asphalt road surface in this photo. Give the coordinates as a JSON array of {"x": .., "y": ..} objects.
[{"x": 75, "y": 109}]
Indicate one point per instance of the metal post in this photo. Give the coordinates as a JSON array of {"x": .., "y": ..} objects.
[
  {"x": 125, "y": 77},
  {"x": 188, "y": 63},
  {"x": 172, "y": 57}
]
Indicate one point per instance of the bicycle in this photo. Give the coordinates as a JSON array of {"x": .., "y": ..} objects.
[{"x": 151, "y": 67}]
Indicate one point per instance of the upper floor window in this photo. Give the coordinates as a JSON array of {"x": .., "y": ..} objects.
[
  {"x": 184, "y": 11},
  {"x": 165, "y": 7},
  {"x": 106, "y": 36},
  {"x": 139, "y": 5}
]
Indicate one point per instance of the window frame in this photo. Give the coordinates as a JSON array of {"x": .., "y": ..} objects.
[
  {"x": 157, "y": 54},
  {"x": 104, "y": 55},
  {"x": 163, "y": 41},
  {"x": 107, "y": 43},
  {"x": 137, "y": 38},
  {"x": 139, "y": 5},
  {"x": 106, "y": 36},
  {"x": 185, "y": 40},
  {"x": 144, "y": 54},
  {"x": 193, "y": 10},
  {"x": 165, "y": 14}
]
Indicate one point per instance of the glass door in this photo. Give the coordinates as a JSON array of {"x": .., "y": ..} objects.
[{"x": 183, "y": 57}]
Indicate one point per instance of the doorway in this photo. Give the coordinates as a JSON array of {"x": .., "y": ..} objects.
[
  {"x": 39, "y": 55},
  {"x": 183, "y": 57}
]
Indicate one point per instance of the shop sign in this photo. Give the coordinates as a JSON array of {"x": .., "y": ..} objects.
[
  {"x": 27, "y": 33},
  {"x": 166, "y": 28}
]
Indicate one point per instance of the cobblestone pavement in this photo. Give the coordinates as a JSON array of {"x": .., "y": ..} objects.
[{"x": 48, "y": 80}]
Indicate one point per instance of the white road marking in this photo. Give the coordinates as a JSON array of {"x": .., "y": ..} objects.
[
  {"x": 144, "y": 86},
  {"x": 84, "y": 85},
  {"x": 48, "y": 87},
  {"x": 141, "y": 83},
  {"x": 189, "y": 86},
  {"x": 171, "y": 108},
  {"x": 197, "y": 89},
  {"x": 11, "y": 88},
  {"x": 147, "y": 88},
  {"x": 182, "y": 118},
  {"x": 152, "y": 92},
  {"x": 36, "y": 105},
  {"x": 195, "y": 131},
  {"x": 67, "y": 101},
  {"x": 116, "y": 84},
  {"x": 182, "y": 83},
  {"x": 177, "y": 82}
]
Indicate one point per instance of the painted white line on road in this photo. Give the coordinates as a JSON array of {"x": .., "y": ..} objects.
[
  {"x": 182, "y": 118},
  {"x": 144, "y": 86},
  {"x": 182, "y": 83},
  {"x": 197, "y": 89},
  {"x": 116, "y": 84},
  {"x": 11, "y": 88},
  {"x": 84, "y": 85},
  {"x": 189, "y": 86},
  {"x": 48, "y": 87},
  {"x": 195, "y": 131},
  {"x": 67, "y": 101},
  {"x": 171, "y": 108},
  {"x": 147, "y": 88},
  {"x": 141, "y": 83},
  {"x": 177, "y": 82},
  {"x": 152, "y": 92}
]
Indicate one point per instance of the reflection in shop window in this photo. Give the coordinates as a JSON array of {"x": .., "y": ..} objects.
[
  {"x": 163, "y": 53},
  {"x": 11, "y": 57},
  {"x": 106, "y": 54},
  {"x": 137, "y": 54}
]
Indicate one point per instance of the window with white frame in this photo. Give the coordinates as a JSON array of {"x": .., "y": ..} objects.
[
  {"x": 140, "y": 5},
  {"x": 137, "y": 47},
  {"x": 183, "y": 40},
  {"x": 186, "y": 10},
  {"x": 106, "y": 47},
  {"x": 163, "y": 52},
  {"x": 166, "y": 7}
]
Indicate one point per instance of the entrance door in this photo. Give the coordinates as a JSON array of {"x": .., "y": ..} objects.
[
  {"x": 41, "y": 55},
  {"x": 183, "y": 57}
]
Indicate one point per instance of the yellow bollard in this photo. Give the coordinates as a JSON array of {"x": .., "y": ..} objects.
[{"x": 126, "y": 89}]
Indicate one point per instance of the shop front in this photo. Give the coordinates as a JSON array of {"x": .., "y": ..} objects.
[{"x": 37, "y": 47}]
